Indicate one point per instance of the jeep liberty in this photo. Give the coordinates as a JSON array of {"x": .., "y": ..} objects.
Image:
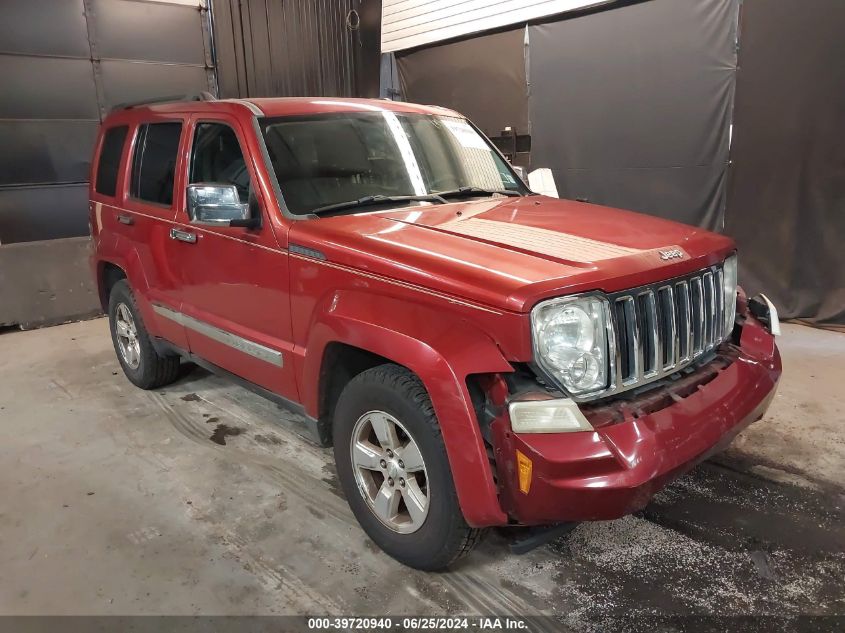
[{"x": 477, "y": 355}]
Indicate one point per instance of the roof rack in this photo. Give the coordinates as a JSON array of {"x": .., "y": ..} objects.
[{"x": 203, "y": 96}]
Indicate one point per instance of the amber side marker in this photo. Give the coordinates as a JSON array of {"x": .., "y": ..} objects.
[{"x": 524, "y": 467}]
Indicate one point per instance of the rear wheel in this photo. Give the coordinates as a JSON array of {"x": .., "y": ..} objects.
[
  {"x": 141, "y": 363},
  {"x": 392, "y": 465}
]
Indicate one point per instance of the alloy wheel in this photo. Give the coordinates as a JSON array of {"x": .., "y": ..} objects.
[
  {"x": 390, "y": 471},
  {"x": 127, "y": 336}
]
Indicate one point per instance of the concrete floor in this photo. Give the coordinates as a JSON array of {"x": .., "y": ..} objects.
[{"x": 115, "y": 500}]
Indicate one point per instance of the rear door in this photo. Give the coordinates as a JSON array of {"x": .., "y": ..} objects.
[
  {"x": 137, "y": 216},
  {"x": 234, "y": 280}
]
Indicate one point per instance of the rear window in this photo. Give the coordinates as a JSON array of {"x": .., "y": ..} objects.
[
  {"x": 109, "y": 163},
  {"x": 154, "y": 163}
]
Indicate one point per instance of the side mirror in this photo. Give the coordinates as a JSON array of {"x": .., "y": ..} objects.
[
  {"x": 520, "y": 171},
  {"x": 218, "y": 205}
]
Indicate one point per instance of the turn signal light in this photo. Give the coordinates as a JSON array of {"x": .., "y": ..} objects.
[{"x": 524, "y": 468}]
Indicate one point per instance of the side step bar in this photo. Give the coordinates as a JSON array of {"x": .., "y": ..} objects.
[{"x": 534, "y": 537}]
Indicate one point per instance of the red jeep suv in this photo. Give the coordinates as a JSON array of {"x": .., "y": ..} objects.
[{"x": 477, "y": 354}]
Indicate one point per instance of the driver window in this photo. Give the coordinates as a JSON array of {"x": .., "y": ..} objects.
[{"x": 217, "y": 158}]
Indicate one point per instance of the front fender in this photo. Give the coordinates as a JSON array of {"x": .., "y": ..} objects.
[{"x": 442, "y": 349}]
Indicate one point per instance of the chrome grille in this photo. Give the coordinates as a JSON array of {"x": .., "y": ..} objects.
[{"x": 661, "y": 328}]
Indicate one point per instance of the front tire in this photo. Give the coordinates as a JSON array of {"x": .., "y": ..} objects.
[
  {"x": 393, "y": 468},
  {"x": 141, "y": 363}
]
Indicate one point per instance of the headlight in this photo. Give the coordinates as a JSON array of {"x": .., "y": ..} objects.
[
  {"x": 570, "y": 342},
  {"x": 730, "y": 293}
]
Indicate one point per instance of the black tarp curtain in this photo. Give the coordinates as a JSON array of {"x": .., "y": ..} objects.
[
  {"x": 632, "y": 107},
  {"x": 786, "y": 195}
]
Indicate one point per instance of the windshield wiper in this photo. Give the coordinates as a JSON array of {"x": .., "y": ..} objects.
[
  {"x": 472, "y": 191},
  {"x": 377, "y": 199}
]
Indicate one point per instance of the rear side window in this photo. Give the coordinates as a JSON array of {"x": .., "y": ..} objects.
[
  {"x": 109, "y": 163},
  {"x": 154, "y": 163}
]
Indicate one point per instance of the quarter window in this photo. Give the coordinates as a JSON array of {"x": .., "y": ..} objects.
[
  {"x": 217, "y": 158},
  {"x": 154, "y": 163},
  {"x": 109, "y": 163}
]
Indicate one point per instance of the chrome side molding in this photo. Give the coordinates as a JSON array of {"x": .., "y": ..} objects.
[{"x": 256, "y": 350}]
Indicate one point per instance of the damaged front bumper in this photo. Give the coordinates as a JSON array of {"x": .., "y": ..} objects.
[{"x": 638, "y": 443}]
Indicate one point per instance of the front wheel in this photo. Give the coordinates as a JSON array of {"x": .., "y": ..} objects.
[{"x": 393, "y": 468}]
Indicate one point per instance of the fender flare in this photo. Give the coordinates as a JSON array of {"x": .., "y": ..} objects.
[
  {"x": 133, "y": 269},
  {"x": 442, "y": 349}
]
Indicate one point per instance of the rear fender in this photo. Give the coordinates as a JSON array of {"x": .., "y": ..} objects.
[
  {"x": 130, "y": 263},
  {"x": 442, "y": 350}
]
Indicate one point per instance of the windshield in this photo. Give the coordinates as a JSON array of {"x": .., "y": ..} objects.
[{"x": 327, "y": 159}]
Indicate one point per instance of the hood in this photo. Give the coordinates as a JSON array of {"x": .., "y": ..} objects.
[{"x": 512, "y": 252}]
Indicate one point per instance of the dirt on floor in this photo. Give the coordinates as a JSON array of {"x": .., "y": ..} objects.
[{"x": 199, "y": 499}]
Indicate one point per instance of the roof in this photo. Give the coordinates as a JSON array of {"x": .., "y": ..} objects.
[
  {"x": 285, "y": 106},
  {"x": 309, "y": 105}
]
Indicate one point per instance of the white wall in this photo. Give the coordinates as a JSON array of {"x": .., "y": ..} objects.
[{"x": 409, "y": 23}]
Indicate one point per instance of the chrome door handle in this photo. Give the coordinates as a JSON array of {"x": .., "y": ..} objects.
[
  {"x": 183, "y": 236},
  {"x": 126, "y": 219}
]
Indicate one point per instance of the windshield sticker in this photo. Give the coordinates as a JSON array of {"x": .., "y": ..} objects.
[{"x": 465, "y": 135}]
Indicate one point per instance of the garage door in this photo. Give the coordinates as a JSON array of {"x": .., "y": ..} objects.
[{"x": 62, "y": 75}]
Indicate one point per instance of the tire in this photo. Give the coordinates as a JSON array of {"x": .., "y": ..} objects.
[
  {"x": 143, "y": 366},
  {"x": 429, "y": 541}
]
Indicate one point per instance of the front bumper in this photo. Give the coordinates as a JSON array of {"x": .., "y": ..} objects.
[{"x": 616, "y": 469}]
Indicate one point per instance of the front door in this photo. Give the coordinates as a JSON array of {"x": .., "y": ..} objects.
[{"x": 235, "y": 302}]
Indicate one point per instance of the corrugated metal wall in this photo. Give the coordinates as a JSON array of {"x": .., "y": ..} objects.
[
  {"x": 410, "y": 23},
  {"x": 64, "y": 64},
  {"x": 274, "y": 48}
]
